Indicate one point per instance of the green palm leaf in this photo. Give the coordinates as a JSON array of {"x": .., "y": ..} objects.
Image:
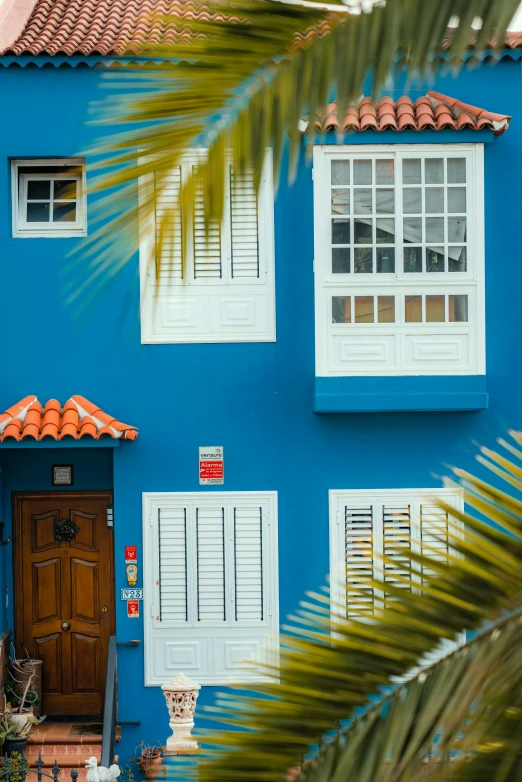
[
  {"x": 344, "y": 670},
  {"x": 240, "y": 85}
]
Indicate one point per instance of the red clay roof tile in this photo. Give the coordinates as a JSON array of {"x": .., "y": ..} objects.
[
  {"x": 431, "y": 111},
  {"x": 102, "y": 26},
  {"x": 78, "y": 418},
  {"x": 121, "y": 27}
]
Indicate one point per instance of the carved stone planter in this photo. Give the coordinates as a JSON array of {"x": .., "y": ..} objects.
[{"x": 181, "y": 694}]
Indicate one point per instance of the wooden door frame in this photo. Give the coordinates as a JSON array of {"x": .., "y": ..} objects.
[{"x": 17, "y": 497}]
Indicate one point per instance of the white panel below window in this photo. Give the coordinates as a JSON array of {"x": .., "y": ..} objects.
[
  {"x": 182, "y": 656},
  {"x": 437, "y": 350},
  {"x": 212, "y": 316},
  {"x": 371, "y": 352}
]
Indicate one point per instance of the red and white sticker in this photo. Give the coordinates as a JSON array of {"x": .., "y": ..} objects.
[
  {"x": 133, "y": 609},
  {"x": 131, "y": 554},
  {"x": 211, "y": 465}
]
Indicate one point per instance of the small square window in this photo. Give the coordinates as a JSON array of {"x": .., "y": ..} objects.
[{"x": 49, "y": 198}]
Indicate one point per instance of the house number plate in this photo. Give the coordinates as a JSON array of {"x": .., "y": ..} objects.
[{"x": 132, "y": 594}]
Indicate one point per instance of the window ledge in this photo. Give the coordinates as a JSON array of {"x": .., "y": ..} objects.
[{"x": 395, "y": 394}]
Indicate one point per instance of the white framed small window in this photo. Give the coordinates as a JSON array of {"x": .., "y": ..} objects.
[
  {"x": 399, "y": 260},
  {"x": 49, "y": 198},
  {"x": 211, "y": 585},
  {"x": 225, "y": 291}
]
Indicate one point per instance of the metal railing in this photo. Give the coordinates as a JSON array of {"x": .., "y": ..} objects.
[
  {"x": 17, "y": 769},
  {"x": 110, "y": 706}
]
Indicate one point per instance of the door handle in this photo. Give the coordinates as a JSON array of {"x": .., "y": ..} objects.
[{"x": 66, "y": 625}]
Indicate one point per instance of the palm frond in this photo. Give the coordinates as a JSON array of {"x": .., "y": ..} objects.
[
  {"x": 394, "y": 740},
  {"x": 242, "y": 84},
  {"x": 333, "y": 668}
]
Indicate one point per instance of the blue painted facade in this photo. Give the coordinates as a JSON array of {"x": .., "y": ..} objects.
[{"x": 261, "y": 404}]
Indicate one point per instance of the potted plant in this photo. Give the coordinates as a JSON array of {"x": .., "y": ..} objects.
[
  {"x": 14, "y": 729},
  {"x": 6, "y": 729},
  {"x": 149, "y": 758}
]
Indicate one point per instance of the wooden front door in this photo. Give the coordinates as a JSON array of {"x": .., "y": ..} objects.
[{"x": 64, "y": 596}]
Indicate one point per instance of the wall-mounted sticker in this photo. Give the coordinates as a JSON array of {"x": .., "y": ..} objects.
[
  {"x": 133, "y": 609},
  {"x": 62, "y": 475},
  {"x": 132, "y": 574},
  {"x": 132, "y": 594},
  {"x": 131, "y": 554},
  {"x": 211, "y": 465}
]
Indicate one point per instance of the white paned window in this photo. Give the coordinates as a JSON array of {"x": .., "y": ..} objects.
[
  {"x": 224, "y": 292},
  {"x": 399, "y": 267},
  {"x": 48, "y": 198},
  {"x": 367, "y": 525},
  {"x": 211, "y": 595}
]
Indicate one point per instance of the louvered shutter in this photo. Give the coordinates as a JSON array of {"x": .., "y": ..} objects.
[
  {"x": 207, "y": 247},
  {"x": 225, "y": 290},
  {"x": 210, "y": 556},
  {"x": 360, "y": 560},
  {"x": 211, "y": 574},
  {"x": 172, "y": 559},
  {"x": 366, "y": 525},
  {"x": 248, "y": 564},
  {"x": 244, "y": 227},
  {"x": 396, "y": 543},
  {"x": 169, "y": 258}
]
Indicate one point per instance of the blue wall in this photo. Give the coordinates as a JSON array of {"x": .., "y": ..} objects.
[{"x": 260, "y": 407}]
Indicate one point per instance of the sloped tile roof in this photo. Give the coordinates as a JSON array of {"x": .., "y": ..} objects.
[
  {"x": 432, "y": 111},
  {"x": 512, "y": 40},
  {"x": 117, "y": 26},
  {"x": 77, "y": 418},
  {"x": 105, "y": 26}
]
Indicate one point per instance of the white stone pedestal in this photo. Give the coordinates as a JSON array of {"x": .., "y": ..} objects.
[{"x": 181, "y": 694}]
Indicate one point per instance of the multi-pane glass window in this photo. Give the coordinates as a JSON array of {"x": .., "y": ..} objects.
[
  {"x": 363, "y": 216},
  {"x": 49, "y": 198},
  {"x": 434, "y": 214},
  {"x": 399, "y": 259},
  {"x": 419, "y": 206}
]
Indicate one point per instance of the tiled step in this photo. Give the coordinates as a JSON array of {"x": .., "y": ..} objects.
[
  {"x": 66, "y": 755},
  {"x": 70, "y": 745}
]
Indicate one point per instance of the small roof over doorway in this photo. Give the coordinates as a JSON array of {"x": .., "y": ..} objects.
[{"x": 28, "y": 420}]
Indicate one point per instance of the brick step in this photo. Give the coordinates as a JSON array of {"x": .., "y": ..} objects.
[
  {"x": 66, "y": 755},
  {"x": 66, "y": 733}
]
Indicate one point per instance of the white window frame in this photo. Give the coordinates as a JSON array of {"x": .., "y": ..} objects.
[
  {"x": 51, "y": 230},
  {"x": 189, "y": 631},
  {"x": 384, "y": 349},
  {"x": 204, "y": 292}
]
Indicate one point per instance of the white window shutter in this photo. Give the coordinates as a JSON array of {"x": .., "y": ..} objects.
[
  {"x": 248, "y": 564},
  {"x": 225, "y": 290},
  {"x": 244, "y": 226},
  {"x": 360, "y": 559},
  {"x": 207, "y": 246},
  {"x": 434, "y": 533},
  {"x": 210, "y": 558},
  {"x": 397, "y": 540},
  {"x": 169, "y": 259},
  {"x": 210, "y": 577},
  {"x": 367, "y": 524},
  {"x": 172, "y": 559}
]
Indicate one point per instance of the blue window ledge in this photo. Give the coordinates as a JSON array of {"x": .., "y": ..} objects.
[{"x": 389, "y": 394}]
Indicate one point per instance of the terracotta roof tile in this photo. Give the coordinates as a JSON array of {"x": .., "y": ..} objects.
[
  {"x": 102, "y": 26},
  {"x": 432, "y": 111},
  {"x": 78, "y": 418},
  {"x": 121, "y": 26},
  {"x": 512, "y": 40}
]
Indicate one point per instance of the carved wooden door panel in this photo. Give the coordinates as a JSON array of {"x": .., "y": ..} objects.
[{"x": 64, "y": 597}]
